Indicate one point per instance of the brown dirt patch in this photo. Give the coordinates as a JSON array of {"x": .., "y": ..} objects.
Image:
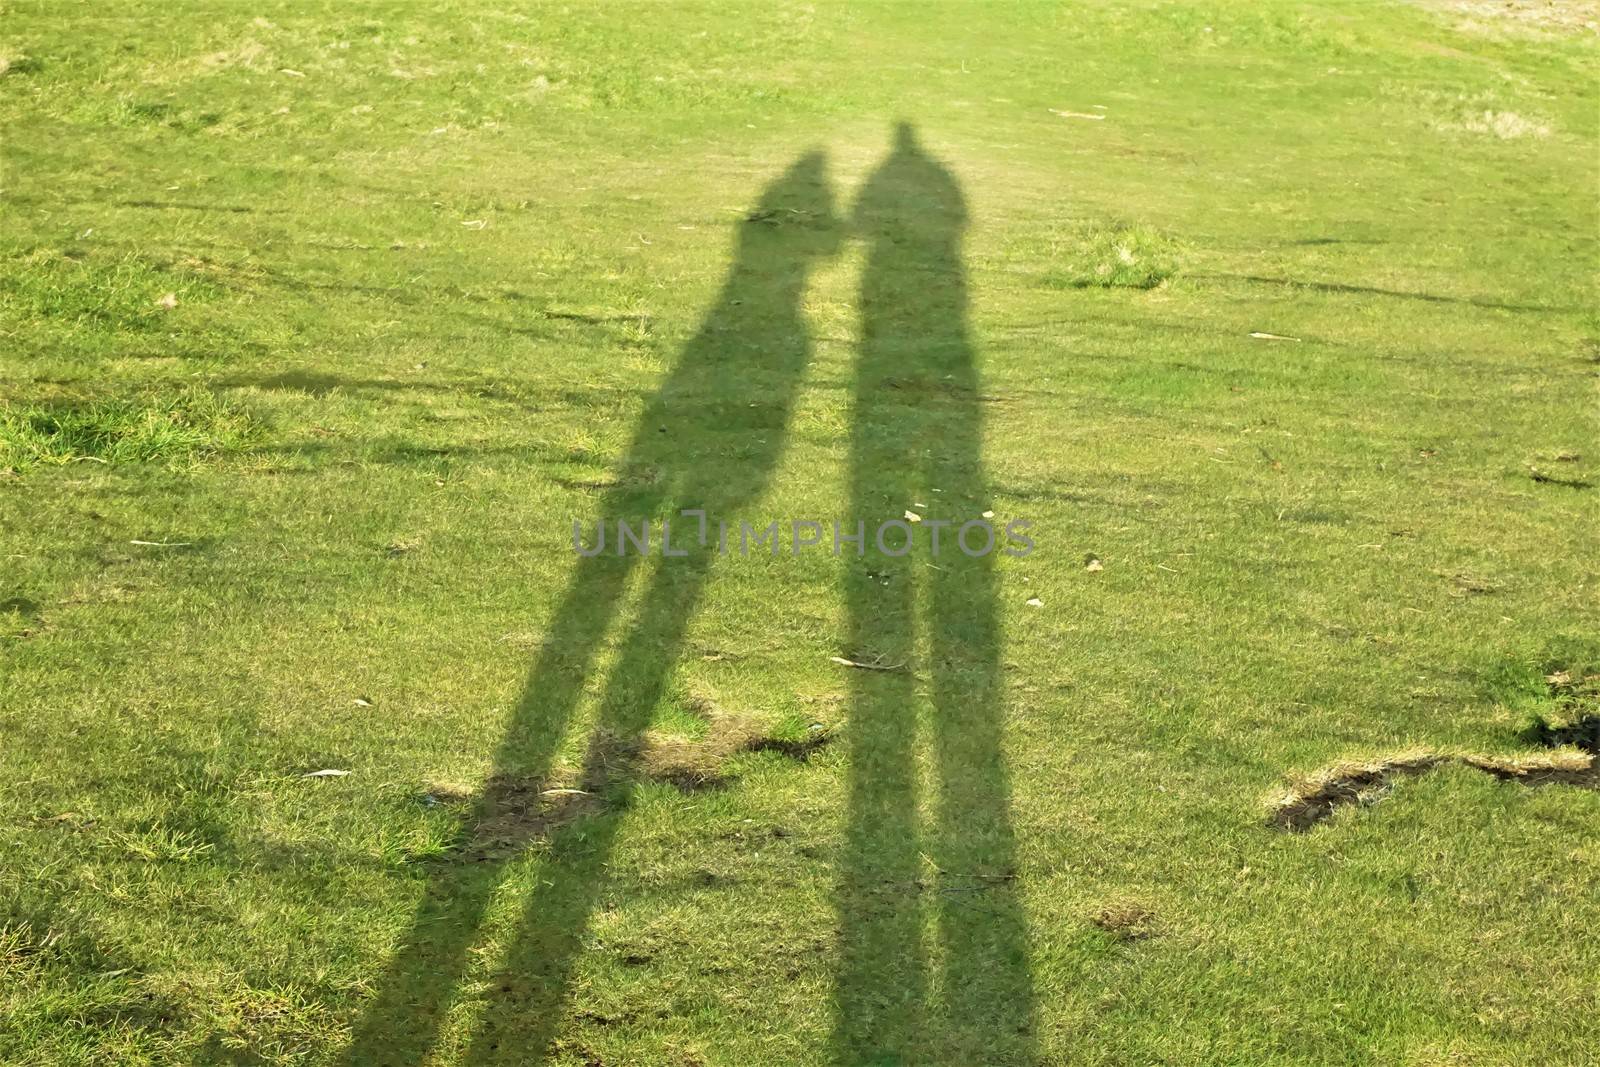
[
  {"x": 513, "y": 811},
  {"x": 1318, "y": 796},
  {"x": 694, "y": 764},
  {"x": 1125, "y": 920},
  {"x": 1550, "y": 16}
]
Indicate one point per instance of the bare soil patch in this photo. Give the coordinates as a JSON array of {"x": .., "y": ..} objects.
[{"x": 1315, "y": 798}]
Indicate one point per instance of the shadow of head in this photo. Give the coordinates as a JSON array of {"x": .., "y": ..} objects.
[
  {"x": 911, "y": 195},
  {"x": 795, "y": 212}
]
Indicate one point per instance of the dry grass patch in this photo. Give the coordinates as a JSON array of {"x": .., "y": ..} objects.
[
  {"x": 1551, "y": 16},
  {"x": 692, "y": 764},
  {"x": 1125, "y": 920},
  {"x": 514, "y": 811}
]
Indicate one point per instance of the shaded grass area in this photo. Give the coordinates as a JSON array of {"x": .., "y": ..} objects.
[
  {"x": 429, "y": 273},
  {"x": 191, "y": 423}
]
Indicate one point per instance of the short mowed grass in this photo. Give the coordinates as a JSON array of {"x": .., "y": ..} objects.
[{"x": 323, "y": 322}]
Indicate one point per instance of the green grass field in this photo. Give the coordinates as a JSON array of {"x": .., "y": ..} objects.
[{"x": 324, "y": 322}]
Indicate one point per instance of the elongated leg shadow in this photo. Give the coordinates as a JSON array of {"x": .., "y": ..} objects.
[
  {"x": 730, "y": 394},
  {"x": 917, "y": 440}
]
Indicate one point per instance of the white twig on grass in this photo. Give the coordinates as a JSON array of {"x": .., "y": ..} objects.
[{"x": 865, "y": 666}]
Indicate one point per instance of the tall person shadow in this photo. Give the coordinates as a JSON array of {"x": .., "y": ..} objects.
[
  {"x": 933, "y": 964},
  {"x": 710, "y": 438}
]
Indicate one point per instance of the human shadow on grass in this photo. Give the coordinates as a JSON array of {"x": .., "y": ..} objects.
[
  {"x": 916, "y": 443},
  {"x": 710, "y": 438}
]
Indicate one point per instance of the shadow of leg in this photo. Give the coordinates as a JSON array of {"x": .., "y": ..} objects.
[
  {"x": 881, "y": 981},
  {"x": 401, "y": 1025},
  {"x": 518, "y": 1025},
  {"x": 987, "y": 988}
]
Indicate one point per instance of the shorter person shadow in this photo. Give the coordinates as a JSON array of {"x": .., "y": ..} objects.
[{"x": 709, "y": 439}]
